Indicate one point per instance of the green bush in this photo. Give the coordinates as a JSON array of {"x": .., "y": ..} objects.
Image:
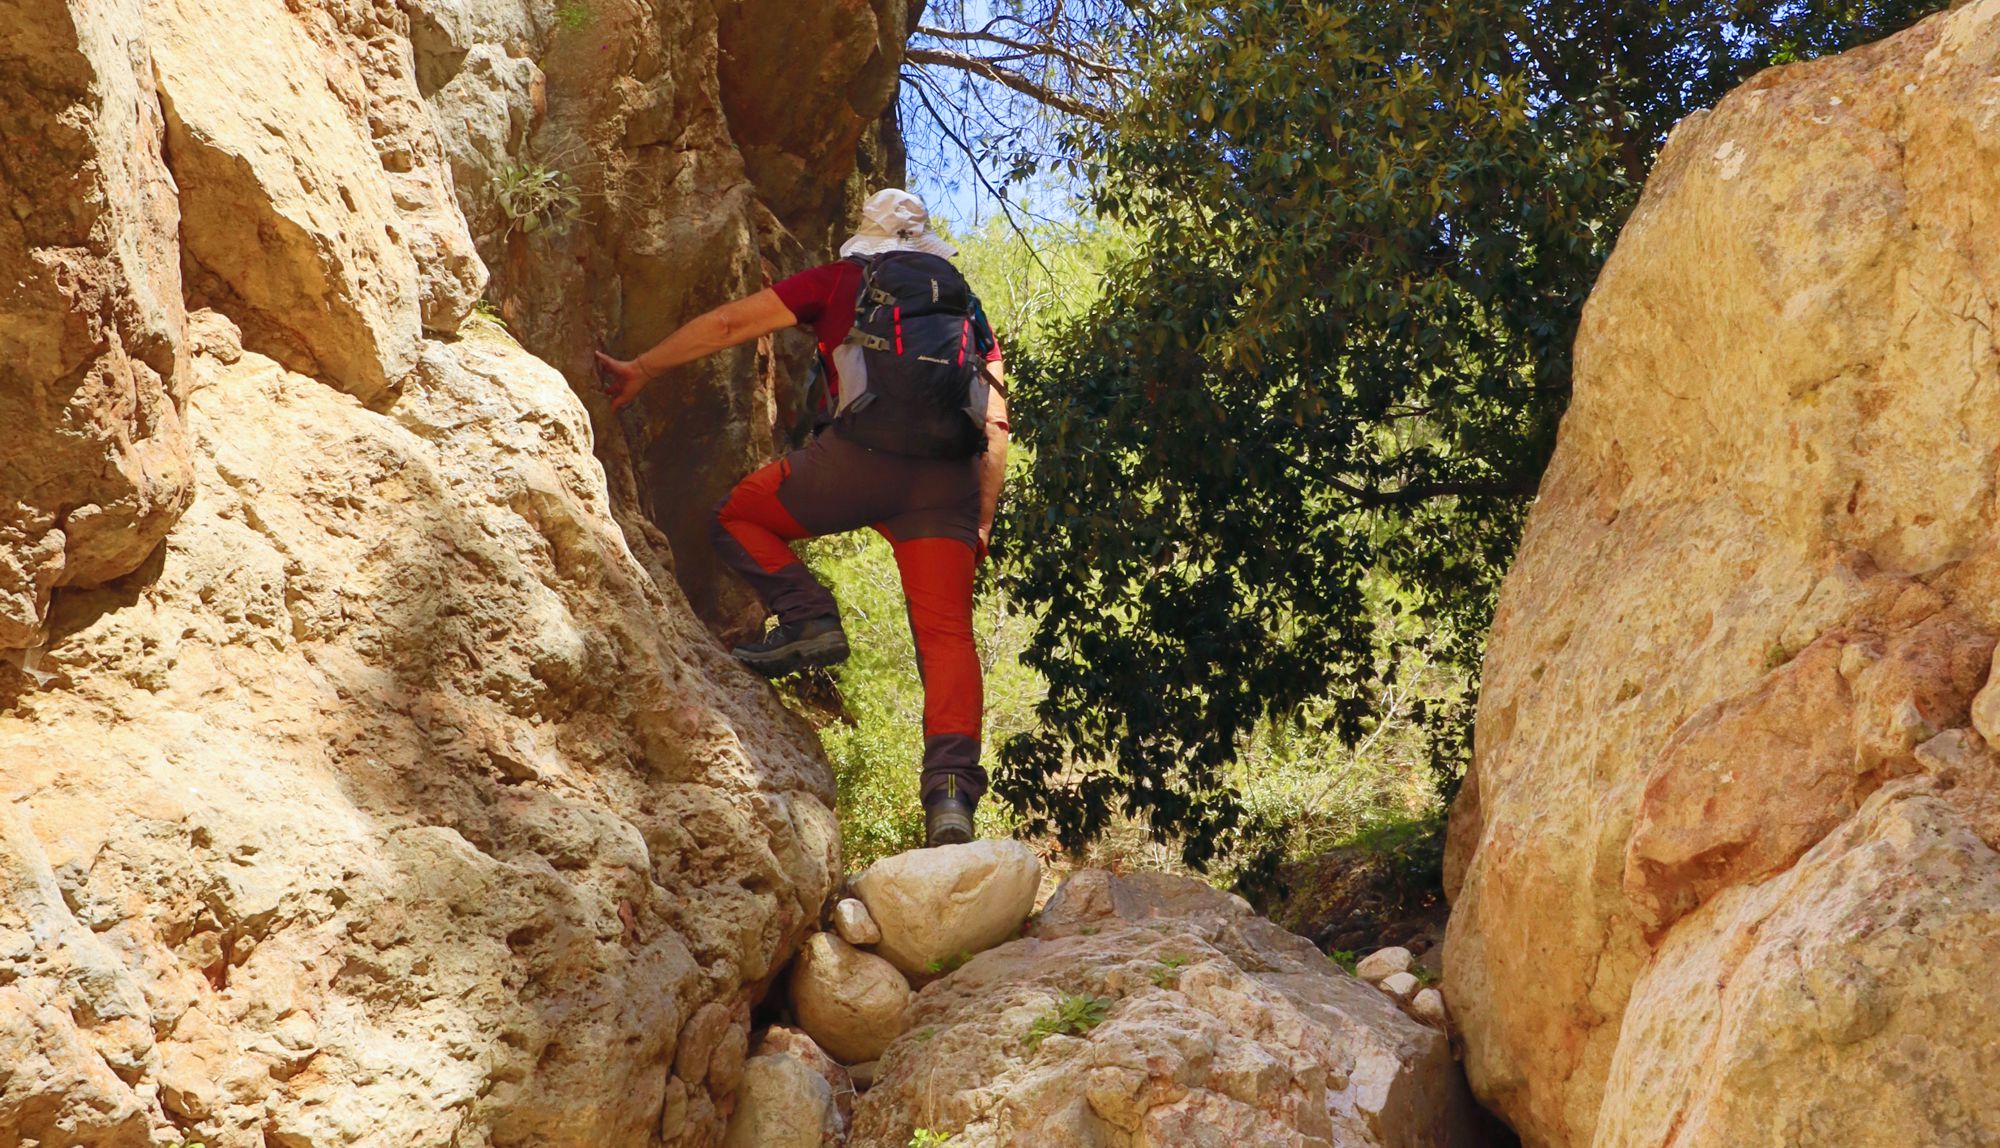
[
  {"x": 1305, "y": 790},
  {"x": 537, "y": 198},
  {"x": 1412, "y": 848},
  {"x": 1168, "y": 970}
]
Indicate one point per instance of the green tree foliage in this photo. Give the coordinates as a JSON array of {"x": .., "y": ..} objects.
[
  {"x": 1327, "y": 382},
  {"x": 1291, "y": 773},
  {"x": 1034, "y": 280}
]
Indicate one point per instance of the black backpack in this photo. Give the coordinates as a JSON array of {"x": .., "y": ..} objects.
[{"x": 912, "y": 382}]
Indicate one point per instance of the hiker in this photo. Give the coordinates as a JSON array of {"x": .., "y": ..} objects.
[{"x": 912, "y": 440}]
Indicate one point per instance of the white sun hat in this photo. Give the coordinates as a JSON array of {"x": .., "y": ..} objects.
[{"x": 895, "y": 220}]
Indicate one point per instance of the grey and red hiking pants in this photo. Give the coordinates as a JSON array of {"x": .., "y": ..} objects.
[{"x": 928, "y": 509}]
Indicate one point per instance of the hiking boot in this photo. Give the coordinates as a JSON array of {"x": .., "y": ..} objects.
[
  {"x": 793, "y": 646},
  {"x": 948, "y": 820}
]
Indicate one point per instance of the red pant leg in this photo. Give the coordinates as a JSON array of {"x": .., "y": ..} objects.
[
  {"x": 937, "y": 584},
  {"x": 751, "y": 531}
]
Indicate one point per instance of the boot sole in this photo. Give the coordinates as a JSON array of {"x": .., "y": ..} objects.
[
  {"x": 825, "y": 650},
  {"x": 949, "y": 829}
]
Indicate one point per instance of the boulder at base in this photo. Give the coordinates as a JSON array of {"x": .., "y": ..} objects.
[
  {"x": 782, "y": 1104},
  {"x": 1217, "y": 1027},
  {"x": 781, "y": 1041},
  {"x": 850, "y": 1002},
  {"x": 935, "y": 906}
]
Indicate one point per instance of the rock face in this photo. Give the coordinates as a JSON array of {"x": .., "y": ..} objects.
[
  {"x": 93, "y": 356},
  {"x": 935, "y": 907},
  {"x": 712, "y": 148},
  {"x": 1217, "y": 1027},
  {"x": 318, "y": 214},
  {"x": 1725, "y": 866},
  {"x": 365, "y": 778}
]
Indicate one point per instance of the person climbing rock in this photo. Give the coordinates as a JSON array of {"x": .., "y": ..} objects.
[{"x": 911, "y": 440}]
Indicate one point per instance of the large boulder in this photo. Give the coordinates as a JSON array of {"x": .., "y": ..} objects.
[
  {"x": 852, "y": 1003},
  {"x": 936, "y": 907},
  {"x": 1724, "y": 869},
  {"x": 781, "y": 1041},
  {"x": 852, "y": 922},
  {"x": 1212, "y": 1026}
]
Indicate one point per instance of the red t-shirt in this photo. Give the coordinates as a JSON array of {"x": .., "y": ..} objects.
[{"x": 823, "y": 298}]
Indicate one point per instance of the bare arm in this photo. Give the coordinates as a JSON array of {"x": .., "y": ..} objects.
[
  {"x": 718, "y": 330},
  {"x": 993, "y": 464}
]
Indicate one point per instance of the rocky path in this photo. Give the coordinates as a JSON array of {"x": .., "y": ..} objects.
[{"x": 938, "y": 1008}]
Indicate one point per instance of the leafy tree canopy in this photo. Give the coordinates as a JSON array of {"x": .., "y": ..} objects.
[{"x": 1322, "y": 390}]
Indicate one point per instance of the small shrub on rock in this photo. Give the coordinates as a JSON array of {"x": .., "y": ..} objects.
[
  {"x": 1074, "y": 1015},
  {"x": 537, "y": 198}
]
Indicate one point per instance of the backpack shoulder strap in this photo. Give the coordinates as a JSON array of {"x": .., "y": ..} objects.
[
  {"x": 867, "y": 297},
  {"x": 870, "y": 293}
]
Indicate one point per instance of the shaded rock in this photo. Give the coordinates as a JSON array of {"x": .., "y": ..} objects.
[
  {"x": 781, "y": 1104},
  {"x": 706, "y": 162},
  {"x": 850, "y": 1002},
  {"x": 1216, "y": 1026},
  {"x": 1724, "y": 794},
  {"x": 781, "y": 1041},
  {"x": 935, "y": 906},
  {"x": 1383, "y": 964},
  {"x": 852, "y": 922}
]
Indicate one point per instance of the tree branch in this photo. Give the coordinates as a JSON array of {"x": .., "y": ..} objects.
[
  {"x": 1043, "y": 49},
  {"x": 973, "y": 158},
  {"x": 1041, "y": 94}
]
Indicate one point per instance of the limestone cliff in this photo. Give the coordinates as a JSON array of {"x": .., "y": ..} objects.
[
  {"x": 714, "y": 147},
  {"x": 367, "y": 778},
  {"x": 1725, "y": 869}
]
